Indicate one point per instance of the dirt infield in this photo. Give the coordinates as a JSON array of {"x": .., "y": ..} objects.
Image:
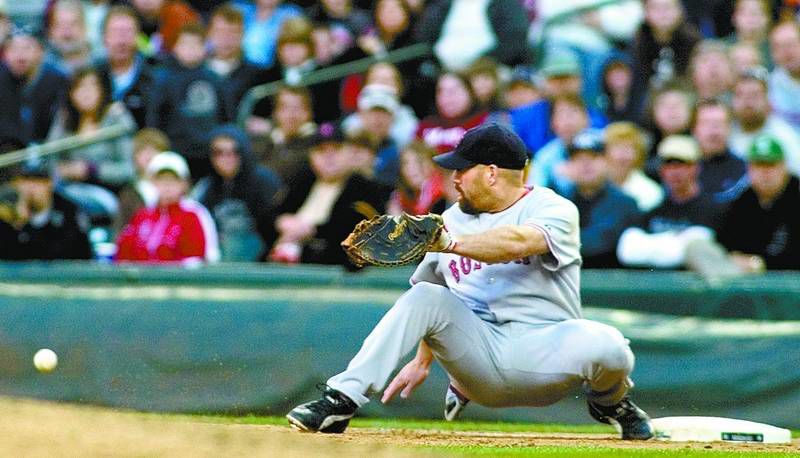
[
  {"x": 35, "y": 428},
  {"x": 505, "y": 439},
  {"x": 41, "y": 429}
]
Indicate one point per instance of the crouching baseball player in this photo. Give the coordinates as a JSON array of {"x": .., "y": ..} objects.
[{"x": 496, "y": 301}]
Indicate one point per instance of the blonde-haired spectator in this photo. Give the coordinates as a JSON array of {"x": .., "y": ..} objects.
[{"x": 625, "y": 153}]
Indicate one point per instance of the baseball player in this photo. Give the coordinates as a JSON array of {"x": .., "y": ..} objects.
[{"x": 496, "y": 301}]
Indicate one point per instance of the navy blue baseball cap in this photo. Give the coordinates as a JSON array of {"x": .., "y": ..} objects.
[
  {"x": 486, "y": 144},
  {"x": 589, "y": 140}
]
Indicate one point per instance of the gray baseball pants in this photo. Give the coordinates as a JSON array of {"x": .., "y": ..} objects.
[{"x": 495, "y": 365}]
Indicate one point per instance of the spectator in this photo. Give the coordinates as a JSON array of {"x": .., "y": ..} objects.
[
  {"x": 722, "y": 175},
  {"x": 345, "y": 21},
  {"x": 461, "y": 31},
  {"x": 686, "y": 215},
  {"x": 87, "y": 109},
  {"x": 225, "y": 31},
  {"x": 377, "y": 105},
  {"x": 48, "y": 226},
  {"x": 663, "y": 45},
  {"x": 456, "y": 113},
  {"x": 569, "y": 117},
  {"x": 126, "y": 74},
  {"x": 521, "y": 89},
  {"x": 625, "y": 154},
  {"x": 605, "y": 211},
  {"x": 617, "y": 99},
  {"x": 753, "y": 117},
  {"x": 561, "y": 76},
  {"x": 177, "y": 229},
  {"x": 404, "y": 124},
  {"x": 5, "y": 24},
  {"x": 140, "y": 192},
  {"x": 69, "y": 47},
  {"x": 290, "y": 134},
  {"x": 240, "y": 194},
  {"x": 263, "y": 20},
  {"x": 670, "y": 114},
  {"x": 392, "y": 29},
  {"x": 751, "y": 22},
  {"x": 421, "y": 187},
  {"x": 768, "y": 212},
  {"x": 711, "y": 71},
  {"x": 188, "y": 100},
  {"x": 323, "y": 205},
  {"x": 161, "y": 22},
  {"x": 744, "y": 56},
  {"x": 784, "y": 82},
  {"x": 30, "y": 90},
  {"x": 484, "y": 79},
  {"x": 295, "y": 61}
]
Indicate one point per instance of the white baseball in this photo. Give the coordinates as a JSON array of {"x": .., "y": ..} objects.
[{"x": 45, "y": 360}]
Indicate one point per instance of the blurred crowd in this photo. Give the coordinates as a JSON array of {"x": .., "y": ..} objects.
[{"x": 674, "y": 126}]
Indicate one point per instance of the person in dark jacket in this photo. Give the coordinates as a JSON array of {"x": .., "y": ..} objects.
[
  {"x": 188, "y": 100},
  {"x": 30, "y": 90},
  {"x": 126, "y": 74},
  {"x": 762, "y": 226},
  {"x": 324, "y": 203},
  {"x": 662, "y": 46},
  {"x": 225, "y": 32},
  {"x": 48, "y": 226},
  {"x": 605, "y": 210},
  {"x": 240, "y": 194}
]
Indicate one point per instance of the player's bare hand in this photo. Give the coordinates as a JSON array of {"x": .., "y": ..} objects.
[{"x": 409, "y": 378}]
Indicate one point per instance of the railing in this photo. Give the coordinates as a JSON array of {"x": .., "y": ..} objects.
[
  {"x": 257, "y": 93},
  {"x": 66, "y": 144}
]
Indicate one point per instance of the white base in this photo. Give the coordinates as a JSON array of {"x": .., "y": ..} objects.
[{"x": 711, "y": 429}]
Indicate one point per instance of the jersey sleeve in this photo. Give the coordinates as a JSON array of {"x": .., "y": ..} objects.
[
  {"x": 427, "y": 271},
  {"x": 557, "y": 219}
]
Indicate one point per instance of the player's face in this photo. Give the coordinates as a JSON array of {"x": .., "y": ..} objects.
[{"x": 470, "y": 183}]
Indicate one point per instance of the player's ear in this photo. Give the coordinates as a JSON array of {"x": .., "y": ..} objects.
[{"x": 492, "y": 172}]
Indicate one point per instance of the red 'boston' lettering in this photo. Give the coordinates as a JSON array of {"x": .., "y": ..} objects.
[
  {"x": 454, "y": 270},
  {"x": 466, "y": 265}
]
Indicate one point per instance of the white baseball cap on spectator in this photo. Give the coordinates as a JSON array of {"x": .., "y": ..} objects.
[
  {"x": 378, "y": 96},
  {"x": 168, "y": 161},
  {"x": 681, "y": 148}
]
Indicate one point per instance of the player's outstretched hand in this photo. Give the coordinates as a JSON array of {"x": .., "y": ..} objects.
[{"x": 409, "y": 378}]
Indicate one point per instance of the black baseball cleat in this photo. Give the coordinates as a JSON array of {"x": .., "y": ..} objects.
[
  {"x": 330, "y": 414},
  {"x": 626, "y": 416},
  {"x": 454, "y": 403}
]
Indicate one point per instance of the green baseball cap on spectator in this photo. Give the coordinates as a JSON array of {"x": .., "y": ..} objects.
[
  {"x": 765, "y": 150},
  {"x": 560, "y": 63}
]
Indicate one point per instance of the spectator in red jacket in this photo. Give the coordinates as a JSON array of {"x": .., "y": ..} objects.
[{"x": 177, "y": 229}]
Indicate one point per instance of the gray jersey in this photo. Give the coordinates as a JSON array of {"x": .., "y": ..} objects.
[{"x": 536, "y": 289}]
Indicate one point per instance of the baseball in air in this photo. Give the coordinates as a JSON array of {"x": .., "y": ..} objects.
[{"x": 45, "y": 360}]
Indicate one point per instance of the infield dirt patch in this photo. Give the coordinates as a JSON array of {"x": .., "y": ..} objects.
[{"x": 35, "y": 428}]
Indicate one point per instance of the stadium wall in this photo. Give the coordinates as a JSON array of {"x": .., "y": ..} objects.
[{"x": 256, "y": 339}]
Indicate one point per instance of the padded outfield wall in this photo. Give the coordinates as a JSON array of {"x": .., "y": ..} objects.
[{"x": 256, "y": 339}]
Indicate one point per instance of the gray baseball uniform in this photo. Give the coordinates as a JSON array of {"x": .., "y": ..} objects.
[{"x": 508, "y": 334}]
